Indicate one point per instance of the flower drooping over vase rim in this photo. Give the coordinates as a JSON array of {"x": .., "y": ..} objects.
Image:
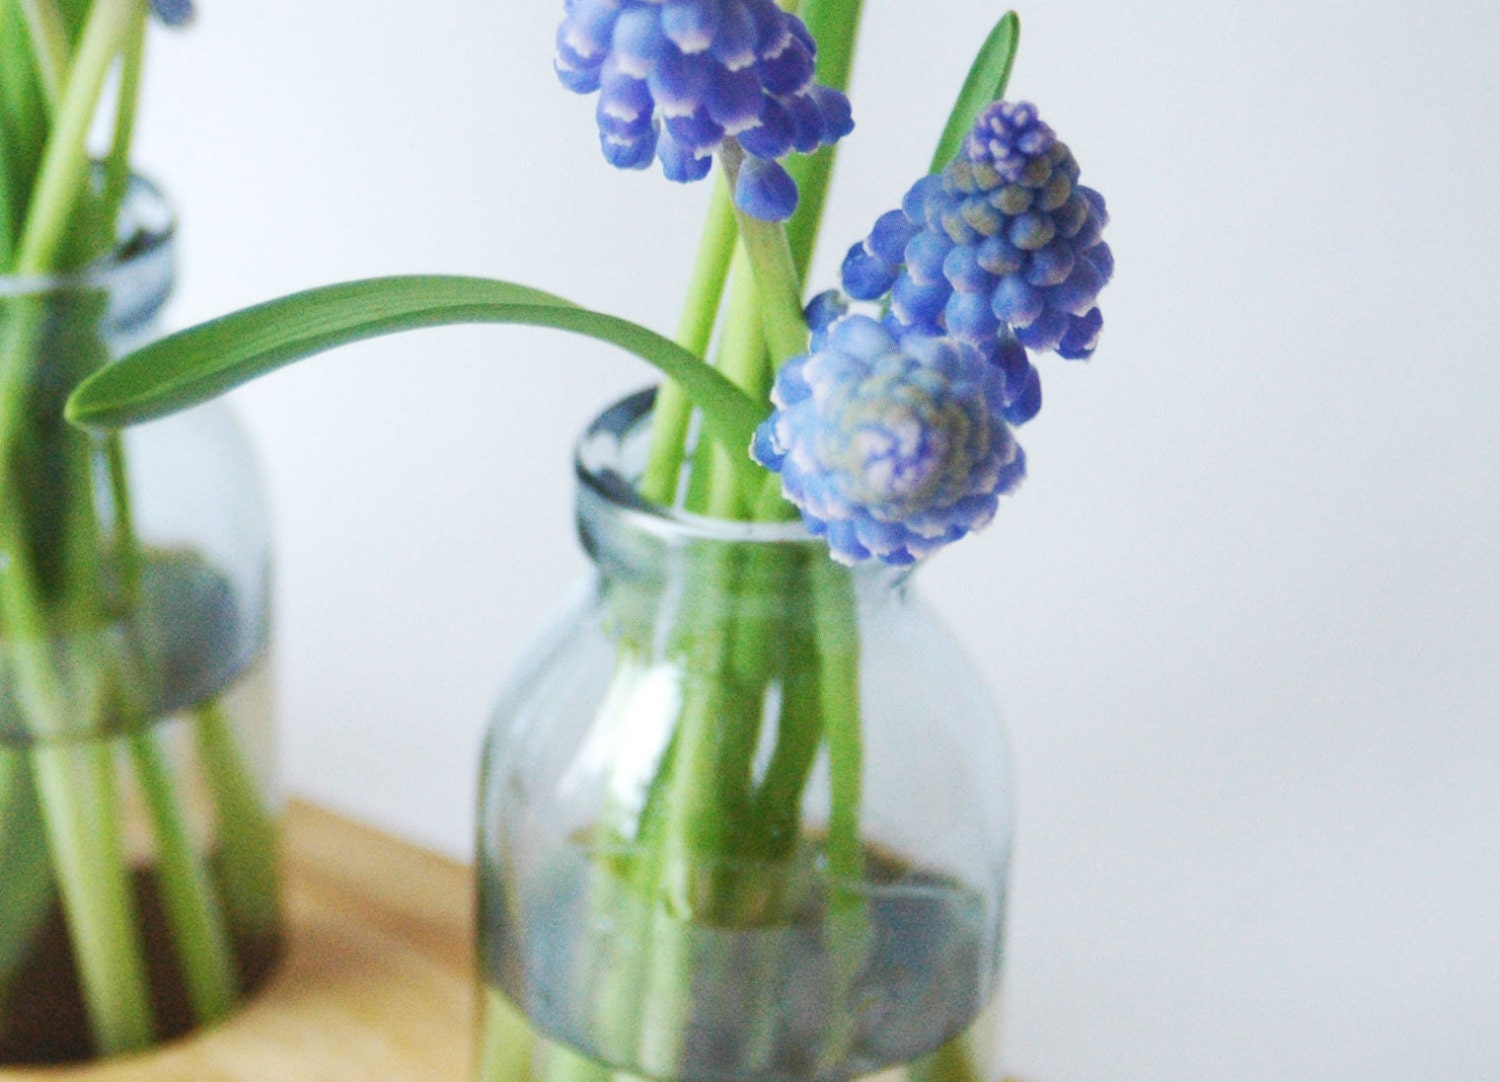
[{"x": 889, "y": 448}]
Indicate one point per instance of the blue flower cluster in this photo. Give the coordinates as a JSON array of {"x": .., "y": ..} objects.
[
  {"x": 678, "y": 77},
  {"x": 1002, "y": 250},
  {"x": 889, "y": 448},
  {"x": 173, "y": 12}
]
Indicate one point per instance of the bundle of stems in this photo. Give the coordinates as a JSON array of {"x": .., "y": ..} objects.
[
  {"x": 763, "y": 643},
  {"x": 81, "y": 600},
  {"x": 759, "y": 638}
]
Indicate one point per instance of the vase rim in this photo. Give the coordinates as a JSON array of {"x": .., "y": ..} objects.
[
  {"x": 599, "y": 467},
  {"x": 151, "y": 228}
]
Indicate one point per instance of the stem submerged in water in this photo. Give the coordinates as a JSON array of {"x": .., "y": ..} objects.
[
  {"x": 245, "y": 826},
  {"x": 199, "y": 935},
  {"x": 76, "y": 784}
]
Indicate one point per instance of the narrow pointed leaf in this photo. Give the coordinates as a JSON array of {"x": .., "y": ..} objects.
[
  {"x": 986, "y": 83},
  {"x": 204, "y": 361}
]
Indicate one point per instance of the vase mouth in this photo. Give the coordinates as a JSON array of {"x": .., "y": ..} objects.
[
  {"x": 145, "y": 234},
  {"x": 608, "y": 460}
]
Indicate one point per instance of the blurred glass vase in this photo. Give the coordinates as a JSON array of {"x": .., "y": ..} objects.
[
  {"x": 745, "y": 814},
  {"x": 138, "y": 872}
]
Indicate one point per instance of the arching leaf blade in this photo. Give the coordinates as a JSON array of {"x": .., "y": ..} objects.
[
  {"x": 988, "y": 77},
  {"x": 202, "y": 362}
]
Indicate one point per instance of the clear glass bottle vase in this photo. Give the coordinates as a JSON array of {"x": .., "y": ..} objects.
[
  {"x": 138, "y": 843},
  {"x": 745, "y": 815}
]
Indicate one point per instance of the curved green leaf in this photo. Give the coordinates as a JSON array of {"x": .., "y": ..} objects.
[
  {"x": 986, "y": 83},
  {"x": 204, "y": 361}
]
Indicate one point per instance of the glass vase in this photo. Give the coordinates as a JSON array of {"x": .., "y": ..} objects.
[
  {"x": 138, "y": 844},
  {"x": 745, "y": 815}
]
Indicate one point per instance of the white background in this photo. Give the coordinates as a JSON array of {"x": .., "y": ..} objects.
[{"x": 1244, "y": 616}]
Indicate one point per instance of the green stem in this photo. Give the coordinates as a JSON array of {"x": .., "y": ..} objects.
[
  {"x": 955, "y": 1061},
  {"x": 24, "y": 106},
  {"x": 80, "y": 535},
  {"x": 65, "y": 164},
  {"x": 10, "y": 198},
  {"x": 686, "y": 849},
  {"x": 199, "y": 936},
  {"x": 771, "y": 505},
  {"x": 708, "y": 468},
  {"x": 25, "y": 872},
  {"x": 507, "y": 1044},
  {"x": 745, "y": 359},
  {"x": 76, "y": 783},
  {"x": 117, "y": 164},
  {"x": 776, "y": 814},
  {"x": 732, "y": 476},
  {"x": 834, "y": 25},
  {"x": 776, "y": 276},
  {"x": 20, "y": 335},
  {"x": 848, "y": 922},
  {"x": 838, "y": 654},
  {"x": 620, "y": 890},
  {"x": 673, "y": 409},
  {"x": 127, "y": 546},
  {"x": 49, "y": 46},
  {"x": 246, "y": 828},
  {"x": 696, "y": 816},
  {"x": 38, "y": 687}
]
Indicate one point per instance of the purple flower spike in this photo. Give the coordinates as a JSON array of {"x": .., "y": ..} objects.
[
  {"x": 889, "y": 449},
  {"x": 174, "y": 12},
  {"x": 711, "y": 70},
  {"x": 1003, "y": 250}
]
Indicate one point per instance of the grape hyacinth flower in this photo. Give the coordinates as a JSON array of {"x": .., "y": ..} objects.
[
  {"x": 173, "y": 12},
  {"x": 678, "y": 77},
  {"x": 1002, "y": 250},
  {"x": 889, "y": 448}
]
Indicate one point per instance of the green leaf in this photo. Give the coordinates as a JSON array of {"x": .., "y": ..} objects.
[
  {"x": 204, "y": 361},
  {"x": 985, "y": 84}
]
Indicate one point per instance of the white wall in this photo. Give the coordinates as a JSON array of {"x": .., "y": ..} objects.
[{"x": 1245, "y": 614}]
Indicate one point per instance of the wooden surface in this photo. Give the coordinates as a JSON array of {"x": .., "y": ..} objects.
[{"x": 376, "y": 984}]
